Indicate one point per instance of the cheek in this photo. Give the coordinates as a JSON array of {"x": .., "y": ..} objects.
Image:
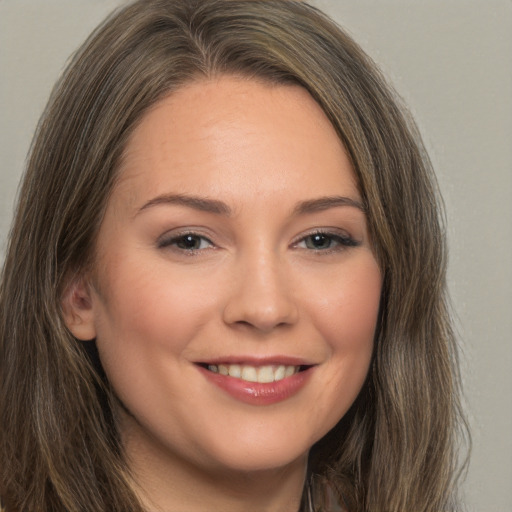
[
  {"x": 154, "y": 303},
  {"x": 349, "y": 306},
  {"x": 145, "y": 319},
  {"x": 346, "y": 317}
]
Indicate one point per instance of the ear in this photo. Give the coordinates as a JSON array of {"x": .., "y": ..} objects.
[{"x": 77, "y": 309}]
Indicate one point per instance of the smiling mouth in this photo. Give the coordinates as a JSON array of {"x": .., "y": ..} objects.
[{"x": 261, "y": 374}]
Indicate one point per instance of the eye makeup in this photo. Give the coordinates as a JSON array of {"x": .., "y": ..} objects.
[{"x": 326, "y": 241}]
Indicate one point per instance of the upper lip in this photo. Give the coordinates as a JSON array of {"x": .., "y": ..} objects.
[{"x": 251, "y": 360}]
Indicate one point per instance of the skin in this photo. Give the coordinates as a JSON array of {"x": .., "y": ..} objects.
[{"x": 255, "y": 284}]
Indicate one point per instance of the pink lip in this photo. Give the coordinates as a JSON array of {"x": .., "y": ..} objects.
[
  {"x": 260, "y": 360},
  {"x": 256, "y": 393}
]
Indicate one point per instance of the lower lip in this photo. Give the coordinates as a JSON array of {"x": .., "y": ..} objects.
[{"x": 256, "y": 393}]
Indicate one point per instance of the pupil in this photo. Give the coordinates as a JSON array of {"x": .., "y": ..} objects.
[
  {"x": 320, "y": 241},
  {"x": 189, "y": 242}
]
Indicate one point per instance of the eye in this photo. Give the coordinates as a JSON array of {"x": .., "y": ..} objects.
[
  {"x": 186, "y": 242},
  {"x": 326, "y": 242}
]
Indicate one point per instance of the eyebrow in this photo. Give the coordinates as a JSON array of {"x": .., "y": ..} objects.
[
  {"x": 324, "y": 203},
  {"x": 197, "y": 203},
  {"x": 220, "y": 208}
]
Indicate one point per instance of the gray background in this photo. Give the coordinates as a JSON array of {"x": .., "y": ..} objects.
[{"x": 451, "y": 61}]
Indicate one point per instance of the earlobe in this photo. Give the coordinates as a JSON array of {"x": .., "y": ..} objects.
[{"x": 77, "y": 309}]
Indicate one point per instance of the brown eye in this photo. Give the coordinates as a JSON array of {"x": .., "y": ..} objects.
[
  {"x": 187, "y": 242},
  {"x": 327, "y": 242}
]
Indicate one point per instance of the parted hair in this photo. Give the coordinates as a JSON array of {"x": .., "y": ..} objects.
[{"x": 396, "y": 448}]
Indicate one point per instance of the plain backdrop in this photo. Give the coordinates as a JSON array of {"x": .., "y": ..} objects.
[{"x": 451, "y": 60}]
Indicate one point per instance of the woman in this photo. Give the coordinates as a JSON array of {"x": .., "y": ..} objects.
[{"x": 224, "y": 288}]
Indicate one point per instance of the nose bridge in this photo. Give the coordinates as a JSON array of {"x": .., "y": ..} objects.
[{"x": 261, "y": 294}]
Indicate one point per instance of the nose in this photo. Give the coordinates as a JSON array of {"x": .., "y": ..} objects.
[{"x": 261, "y": 297}]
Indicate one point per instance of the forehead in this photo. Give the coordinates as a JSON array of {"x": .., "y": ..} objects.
[{"x": 224, "y": 136}]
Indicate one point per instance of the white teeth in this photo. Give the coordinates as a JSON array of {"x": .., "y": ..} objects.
[
  {"x": 250, "y": 374},
  {"x": 289, "y": 371},
  {"x": 279, "y": 373},
  {"x": 266, "y": 374},
  {"x": 261, "y": 374},
  {"x": 234, "y": 370}
]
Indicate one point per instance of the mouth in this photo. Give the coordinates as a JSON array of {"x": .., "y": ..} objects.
[
  {"x": 262, "y": 374},
  {"x": 256, "y": 381}
]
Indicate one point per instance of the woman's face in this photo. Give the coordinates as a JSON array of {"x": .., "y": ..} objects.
[{"x": 235, "y": 294}]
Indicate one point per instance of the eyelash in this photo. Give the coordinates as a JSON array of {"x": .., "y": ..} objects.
[
  {"x": 341, "y": 241},
  {"x": 173, "y": 241}
]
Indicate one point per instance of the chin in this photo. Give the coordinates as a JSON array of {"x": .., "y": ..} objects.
[
  {"x": 260, "y": 451},
  {"x": 261, "y": 460}
]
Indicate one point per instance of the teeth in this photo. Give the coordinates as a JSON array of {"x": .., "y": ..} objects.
[
  {"x": 261, "y": 374},
  {"x": 250, "y": 374},
  {"x": 289, "y": 371},
  {"x": 266, "y": 374},
  {"x": 280, "y": 373},
  {"x": 234, "y": 370}
]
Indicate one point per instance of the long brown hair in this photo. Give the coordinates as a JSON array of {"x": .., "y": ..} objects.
[{"x": 396, "y": 449}]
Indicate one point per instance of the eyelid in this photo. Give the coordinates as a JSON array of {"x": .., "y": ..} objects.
[
  {"x": 344, "y": 239},
  {"x": 168, "y": 239},
  {"x": 341, "y": 237}
]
